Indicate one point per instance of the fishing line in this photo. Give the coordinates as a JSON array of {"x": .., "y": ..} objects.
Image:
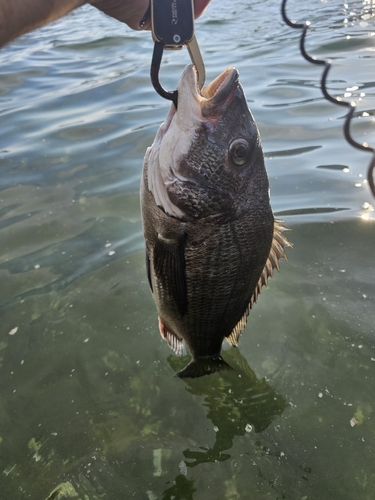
[{"x": 335, "y": 100}]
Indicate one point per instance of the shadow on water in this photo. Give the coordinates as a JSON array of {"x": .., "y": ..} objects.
[
  {"x": 237, "y": 403},
  {"x": 183, "y": 489}
]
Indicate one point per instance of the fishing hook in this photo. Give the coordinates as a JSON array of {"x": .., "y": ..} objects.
[{"x": 335, "y": 100}]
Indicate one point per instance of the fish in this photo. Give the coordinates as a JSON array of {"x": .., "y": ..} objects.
[{"x": 211, "y": 238}]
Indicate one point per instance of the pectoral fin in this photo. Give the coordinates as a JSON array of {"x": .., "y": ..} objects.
[
  {"x": 277, "y": 252},
  {"x": 148, "y": 270},
  {"x": 170, "y": 268}
]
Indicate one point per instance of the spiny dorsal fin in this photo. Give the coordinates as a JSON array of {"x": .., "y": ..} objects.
[
  {"x": 174, "y": 341},
  {"x": 277, "y": 252},
  {"x": 232, "y": 339}
]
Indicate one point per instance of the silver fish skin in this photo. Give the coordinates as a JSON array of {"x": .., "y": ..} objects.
[{"x": 211, "y": 238}]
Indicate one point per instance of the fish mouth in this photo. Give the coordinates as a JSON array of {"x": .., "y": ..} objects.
[
  {"x": 207, "y": 104},
  {"x": 214, "y": 98}
]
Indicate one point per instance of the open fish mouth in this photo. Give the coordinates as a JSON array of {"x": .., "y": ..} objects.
[
  {"x": 200, "y": 105},
  {"x": 217, "y": 94},
  {"x": 212, "y": 99},
  {"x": 218, "y": 90}
]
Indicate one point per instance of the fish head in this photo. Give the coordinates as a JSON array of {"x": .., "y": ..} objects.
[{"x": 207, "y": 158}]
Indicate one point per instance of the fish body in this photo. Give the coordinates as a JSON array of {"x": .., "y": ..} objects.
[{"x": 211, "y": 238}]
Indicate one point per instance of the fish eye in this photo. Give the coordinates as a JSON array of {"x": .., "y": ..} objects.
[{"x": 239, "y": 151}]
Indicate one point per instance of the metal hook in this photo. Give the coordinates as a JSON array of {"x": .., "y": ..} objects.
[
  {"x": 157, "y": 56},
  {"x": 155, "y": 68},
  {"x": 172, "y": 27}
]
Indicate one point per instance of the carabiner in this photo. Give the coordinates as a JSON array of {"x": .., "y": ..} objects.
[{"x": 172, "y": 24}]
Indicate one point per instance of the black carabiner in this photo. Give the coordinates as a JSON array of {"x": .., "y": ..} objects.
[
  {"x": 172, "y": 26},
  {"x": 155, "y": 68}
]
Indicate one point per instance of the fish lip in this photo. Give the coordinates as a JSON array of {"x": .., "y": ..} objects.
[
  {"x": 214, "y": 98},
  {"x": 221, "y": 88}
]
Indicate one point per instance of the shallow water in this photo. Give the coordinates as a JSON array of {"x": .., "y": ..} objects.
[{"x": 89, "y": 406}]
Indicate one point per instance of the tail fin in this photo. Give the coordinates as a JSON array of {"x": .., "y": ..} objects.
[{"x": 199, "y": 367}]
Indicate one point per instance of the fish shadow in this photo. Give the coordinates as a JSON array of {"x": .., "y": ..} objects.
[{"x": 237, "y": 402}]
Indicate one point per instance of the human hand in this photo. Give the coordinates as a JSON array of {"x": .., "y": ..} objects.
[
  {"x": 131, "y": 12},
  {"x": 20, "y": 16}
]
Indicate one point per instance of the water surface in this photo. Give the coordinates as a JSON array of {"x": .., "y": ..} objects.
[{"x": 89, "y": 406}]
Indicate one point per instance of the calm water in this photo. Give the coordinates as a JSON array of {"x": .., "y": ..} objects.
[{"x": 89, "y": 407}]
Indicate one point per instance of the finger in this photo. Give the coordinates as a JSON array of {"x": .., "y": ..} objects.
[
  {"x": 126, "y": 11},
  {"x": 132, "y": 12},
  {"x": 199, "y": 7}
]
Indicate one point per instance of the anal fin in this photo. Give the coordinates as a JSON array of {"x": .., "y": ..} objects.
[{"x": 174, "y": 341}]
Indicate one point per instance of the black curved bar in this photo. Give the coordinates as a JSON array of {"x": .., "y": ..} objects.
[
  {"x": 335, "y": 100},
  {"x": 154, "y": 73}
]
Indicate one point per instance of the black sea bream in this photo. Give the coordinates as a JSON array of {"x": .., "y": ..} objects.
[{"x": 211, "y": 238}]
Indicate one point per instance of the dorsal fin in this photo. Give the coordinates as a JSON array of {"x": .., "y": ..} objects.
[
  {"x": 277, "y": 252},
  {"x": 174, "y": 341},
  {"x": 233, "y": 338}
]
